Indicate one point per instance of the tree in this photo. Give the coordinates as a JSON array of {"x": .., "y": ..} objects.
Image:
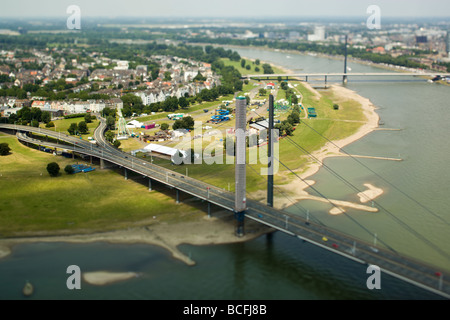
[
  {"x": 69, "y": 169},
  {"x": 164, "y": 126},
  {"x": 35, "y": 123},
  {"x": 293, "y": 118},
  {"x": 4, "y": 149},
  {"x": 267, "y": 68},
  {"x": 287, "y": 128},
  {"x": 183, "y": 102},
  {"x": 73, "y": 128},
  {"x": 88, "y": 118},
  {"x": 242, "y": 63},
  {"x": 167, "y": 76},
  {"x": 110, "y": 122},
  {"x": 248, "y": 67},
  {"x": 336, "y": 107},
  {"x": 50, "y": 125},
  {"x": 257, "y": 62},
  {"x": 262, "y": 92},
  {"x": 116, "y": 143},
  {"x": 82, "y": 127},
  {"x": 184, "y": 123},
  {"x": 46, "y": 117},
  {"x": 247, "y": 99},
  {"x": 199, "y": 77},
  {"x": 53, "y": 169},
  {"x": 109, "y": 136},
  {"x": 188, "y": 122}
]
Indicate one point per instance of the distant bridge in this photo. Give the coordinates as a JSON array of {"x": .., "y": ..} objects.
[
  {"x": 391, "y": 262},
  {"x": 343, "y": 75}
]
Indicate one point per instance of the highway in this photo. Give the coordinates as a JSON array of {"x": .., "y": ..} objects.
[{"x": 390, "y": 262}]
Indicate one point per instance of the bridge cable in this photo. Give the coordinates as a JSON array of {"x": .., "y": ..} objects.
[
  {"x": 411, "y": 230},
  {"x": 295, "y": 203},
  {"x": 331, "y": 202},
  {"x": 406, "y": 226},
  {"x": 381, "y": 177}
]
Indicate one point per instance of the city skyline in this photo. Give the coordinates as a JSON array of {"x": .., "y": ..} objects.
[{"x": 232, "y": 8}]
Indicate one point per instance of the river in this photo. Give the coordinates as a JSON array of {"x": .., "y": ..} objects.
[{"x": 282, "y": 267}]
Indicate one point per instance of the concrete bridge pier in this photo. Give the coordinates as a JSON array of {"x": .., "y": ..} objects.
[
  {"x": 209, "y": 209},
  {"x": 126, "y": 173},
  {"x": 178, "y": 196},
  {"x": 240, "y": 219},
  {"x": 149, "y": 184},
  {"x": 102, "y": 164}
]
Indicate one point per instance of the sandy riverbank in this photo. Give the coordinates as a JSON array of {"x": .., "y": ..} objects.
[
  {"x": 219, "y": 229},
  {"x": 296, "y": 188}
]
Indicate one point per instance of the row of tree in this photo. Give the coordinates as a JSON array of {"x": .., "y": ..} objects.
[
  {"x": 331, "y": 49},
  {"x": 80, "y": 128}
]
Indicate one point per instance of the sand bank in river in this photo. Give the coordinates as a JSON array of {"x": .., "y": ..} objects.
[
  {"x": 100, "y": 278},
  {"x": 218, "y": 229},
  {"x": 296, "y": 188}
]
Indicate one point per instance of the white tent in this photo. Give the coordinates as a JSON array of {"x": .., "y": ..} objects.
[
  {"x": 134, "y": 124},
  {"x": 168, "y": 151}
]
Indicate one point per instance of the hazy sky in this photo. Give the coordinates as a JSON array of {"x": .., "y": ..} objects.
[{"x": 225, "y": 8}]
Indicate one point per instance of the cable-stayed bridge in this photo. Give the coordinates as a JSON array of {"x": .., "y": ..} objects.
[{"x": 391, "y": 262}]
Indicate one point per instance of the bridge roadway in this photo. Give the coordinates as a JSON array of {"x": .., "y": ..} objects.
[
  {"x": 402, "y": 267},
  {"x": 350, "y": 74}
]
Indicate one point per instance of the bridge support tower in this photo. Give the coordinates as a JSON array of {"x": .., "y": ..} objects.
[
  {"x": 240, "y": 204},
  {"x": 270, "y": 155},
  {"x": 344, "y": 78}
]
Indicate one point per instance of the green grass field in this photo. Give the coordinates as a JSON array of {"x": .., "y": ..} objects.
[
  {"x": 327, "y": 124},
  {"x": 64, "y": 124},
  {"x": 32, "y": 202}
]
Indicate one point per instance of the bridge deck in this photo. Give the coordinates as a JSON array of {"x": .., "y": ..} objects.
[
  {"x": 402, "y": 267},
  {"x": 350, "y": 74}
]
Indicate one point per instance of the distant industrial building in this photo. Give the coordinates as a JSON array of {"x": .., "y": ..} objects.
[
  {"x": 319, "y": 34},
  {"x": 421, "y": 39},
  {"x": 447, "y": 43}
]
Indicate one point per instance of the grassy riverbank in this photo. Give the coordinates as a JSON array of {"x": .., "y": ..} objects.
[{"x": 35, "y": 203}]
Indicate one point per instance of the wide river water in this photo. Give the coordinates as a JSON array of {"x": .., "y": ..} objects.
[{"x": 413, "y": 219}]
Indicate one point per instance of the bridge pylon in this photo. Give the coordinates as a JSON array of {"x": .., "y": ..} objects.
[{"x": 240, "y": 164}]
